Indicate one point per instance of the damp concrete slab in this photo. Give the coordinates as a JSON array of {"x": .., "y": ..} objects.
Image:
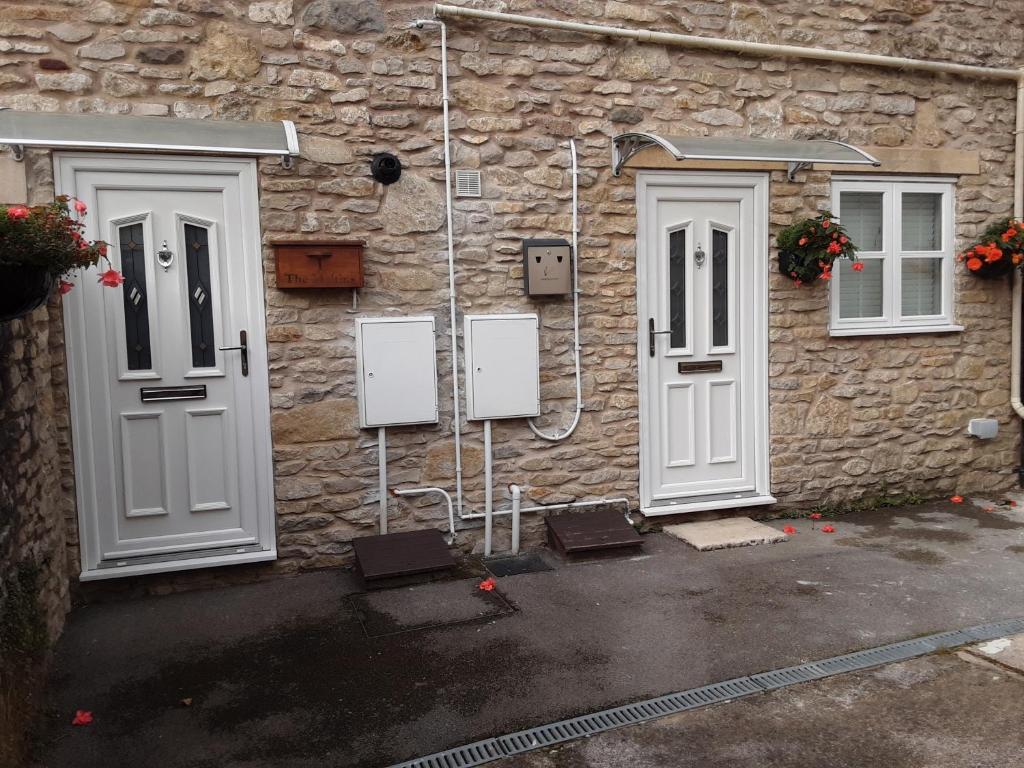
[
  {"x": 724, "y": 534},
  {"x": 427, "y": 605},
  {"x": 1006, "y": 652},
  {"x": 282, "y": 675}
]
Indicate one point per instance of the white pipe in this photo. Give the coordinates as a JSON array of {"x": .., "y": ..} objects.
[
  {"x": 1018, "y": 213},
  {"x": 382, "y": 477},
  {"x": 442, "y": 492},
  {"x": 575, "y": 308},
  {"x": 550, "y": 507},
  {"x": 488, "y": 490},
  {"x": 515, "y": 491},
  {"x": 456, "y": 407},
  {"x": 732, "y": 46}
]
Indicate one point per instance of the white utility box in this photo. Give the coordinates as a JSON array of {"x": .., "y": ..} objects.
[
  {"x": 502, "y": 366},
  {"x": 396, "y": 371}
]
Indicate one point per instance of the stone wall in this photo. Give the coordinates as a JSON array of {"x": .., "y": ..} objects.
[
  {"x": 33, "y": 572},
  {"x": 847, "y": 414}
]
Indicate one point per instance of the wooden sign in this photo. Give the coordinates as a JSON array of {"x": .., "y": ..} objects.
[{"x": 319, "y": 263}]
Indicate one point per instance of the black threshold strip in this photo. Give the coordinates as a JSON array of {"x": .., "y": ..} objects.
[{"x": 481, "y": 752}]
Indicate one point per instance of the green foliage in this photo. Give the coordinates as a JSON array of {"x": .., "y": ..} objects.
[
  {"x": 47, "y": 236},
  {"x": 812, "y": 246},
  {"x": 22, "y": 623}
]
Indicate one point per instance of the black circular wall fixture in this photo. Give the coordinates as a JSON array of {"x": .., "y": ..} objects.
[{"x": 386, "y": 168}]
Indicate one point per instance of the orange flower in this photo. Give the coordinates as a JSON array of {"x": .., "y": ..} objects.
[
  {"x": 957, "y": 499},
  {"x": 1017, "y": 258},
  {"x": 1008, "y": 234},
  {"x": 974, "y": 263}
]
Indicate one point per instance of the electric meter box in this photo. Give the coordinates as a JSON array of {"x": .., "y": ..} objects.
[
  {"x": 502, "y": 366},
  {"x": 547, "y": 265},
  {"x": 396, "y": 371}
]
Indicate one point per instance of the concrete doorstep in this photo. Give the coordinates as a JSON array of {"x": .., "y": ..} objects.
[{"x": 724, "y": 534}]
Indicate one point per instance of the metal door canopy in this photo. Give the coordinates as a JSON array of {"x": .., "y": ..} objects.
[
  {"x": 798, "y": 154},
  {"x": 146, "y": 134}
]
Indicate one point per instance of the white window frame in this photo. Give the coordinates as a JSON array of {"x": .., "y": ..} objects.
[{"x": 892, "y": 321}]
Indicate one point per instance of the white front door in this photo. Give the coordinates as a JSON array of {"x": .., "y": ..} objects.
[
  {"x": 702, "y": 260},
  {"x": 171, "y": 429}
]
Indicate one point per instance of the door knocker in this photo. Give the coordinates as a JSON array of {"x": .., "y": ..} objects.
[
  {"x": 164, "y": 256},
  {"x": 699, "y": 256}
]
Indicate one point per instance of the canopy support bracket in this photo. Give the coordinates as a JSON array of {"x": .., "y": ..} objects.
[
  {"x": 17, "y": 151},
  {"x": 794, "y": 168}
]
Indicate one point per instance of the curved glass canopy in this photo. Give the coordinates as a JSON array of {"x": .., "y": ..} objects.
[{"x": 797, "y": 153}]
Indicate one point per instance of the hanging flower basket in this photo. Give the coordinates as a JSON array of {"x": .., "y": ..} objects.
[
  {"x": 1000, "y": 250},
  {"x": 809, "y": 248},
  {"x": 40, "y": 246},
  {"x": 22, "y": 289}
]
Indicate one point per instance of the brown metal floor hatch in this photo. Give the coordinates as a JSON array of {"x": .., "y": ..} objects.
[
  {"x": 591, "y": 531},
  {"x": 401, "y": 554}
]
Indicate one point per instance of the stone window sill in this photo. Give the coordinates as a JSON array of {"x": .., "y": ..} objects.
[{"x": 897, "y": 330}]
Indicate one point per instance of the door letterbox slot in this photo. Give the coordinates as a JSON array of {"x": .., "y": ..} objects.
[
  {"x": 707, "y": 366},
  {"x": 156, "y": 394}
]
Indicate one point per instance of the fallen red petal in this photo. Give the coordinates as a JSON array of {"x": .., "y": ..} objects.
[
  {"x": 827, "y": 529},
  {"x": 956, "y": 499},
  {"x": 815, "y": 515},
  {"x": 487, "y": 585},
  {"x": 82, "y": 717},
  {"x": 789, "y": 530}
]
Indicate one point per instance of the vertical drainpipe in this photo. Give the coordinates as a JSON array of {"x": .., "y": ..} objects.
[{"x": 1017, "y": 348}]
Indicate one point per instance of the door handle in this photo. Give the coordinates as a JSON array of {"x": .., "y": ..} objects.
[
  {"x": 651, "y": 334},
  {"x": 243, "y": 347}
]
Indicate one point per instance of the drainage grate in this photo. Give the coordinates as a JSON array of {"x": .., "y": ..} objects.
[{"x": 542, "y": 736}]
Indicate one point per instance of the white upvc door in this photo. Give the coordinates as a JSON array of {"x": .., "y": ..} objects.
[
  {"x": 170, "y": 418},
  {"x": 702, "y": 299}
]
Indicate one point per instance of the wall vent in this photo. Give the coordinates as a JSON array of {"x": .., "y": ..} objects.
[{"x": 468, "y": 184}]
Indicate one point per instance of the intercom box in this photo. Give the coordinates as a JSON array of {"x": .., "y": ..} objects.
[
  {"x": 547, "y": 266},
  {"x": 396, "y": 371}
]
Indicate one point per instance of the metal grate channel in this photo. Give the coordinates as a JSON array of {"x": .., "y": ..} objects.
[
  {"x": 542, "y": 736},
  {"x": 995, "y": 629}
]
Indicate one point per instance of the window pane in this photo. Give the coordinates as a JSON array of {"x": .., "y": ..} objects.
[
  {"x": 719, "y": 288},
  {"x": 922, "y": 221},
  {"x": 861, "y": 215},
  {"x": 860, "y": 293},
  {"x": 677, "y": 287},
  {"x": 197, "y": 256},
  {"x": 136, "y": 308},
  {"x": 921, "y": 287}
]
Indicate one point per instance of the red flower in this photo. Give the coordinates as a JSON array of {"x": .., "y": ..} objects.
[
  {"x": 802, "y": 241},
  {"x": 826, "y": 224},
  {"x": 957, "y": 499},
  {"x": 844, "y": 239},
  {"x": 858, "y": 266},
  {"x": 798, "y": 281},
  {"x": 111, "y": 278},
  {"x": 826, "y": 274},
  {"x": 80, "y": 207},
  {"x": 82, "y": 717},
  {"x": 815, "y": 515},
  {"x": 834, "y": 247},
  {"x": 827, "y": 529},
  {"x": 1012, "y": 503},
  {"x": 102, "y": 248},
  {"x": 17, "y": 212},
  {"x": 789, "y": 530},
  {"x": 487, "y": 585},
  {"x": 65, "y": 287}
]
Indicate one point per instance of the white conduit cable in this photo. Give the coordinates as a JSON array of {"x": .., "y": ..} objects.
[
  {"x": 456, "y": 409},
  {"x": 441, "y": 492},
  {"x": 575, "y": 308},
  {"x": 382, "y": 477},
  {"x": 1018, "y": 213},
  {"x": 488, "y": 490}
]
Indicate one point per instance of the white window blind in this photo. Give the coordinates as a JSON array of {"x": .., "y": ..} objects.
[
  {"x": 921, "y": 287},
  {"x": 860, "y": 293},
  {"x": 862, "y": 218},
  {"x": 922, "y": 221}
]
